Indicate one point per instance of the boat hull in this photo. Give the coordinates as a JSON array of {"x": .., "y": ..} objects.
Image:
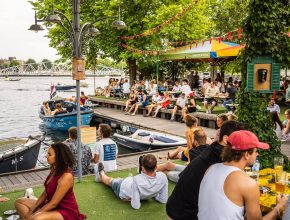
[
  {"x": 64, "y": 87},
  {"x": 142, "y": 146},
  {"x": 65, "y": 121},
  {"x": 24, "y": 158}
]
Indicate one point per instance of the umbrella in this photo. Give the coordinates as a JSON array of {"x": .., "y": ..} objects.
[{"x": 204, "y": 52}]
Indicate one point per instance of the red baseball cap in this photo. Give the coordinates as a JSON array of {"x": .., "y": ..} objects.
[{"x": 245, "y": 140}]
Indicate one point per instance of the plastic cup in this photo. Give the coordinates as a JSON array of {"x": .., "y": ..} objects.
[
  {"x": 280, "y": 181},
  {"x": 278, "y": 164}
]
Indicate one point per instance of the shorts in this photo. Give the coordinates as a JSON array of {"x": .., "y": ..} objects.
[
  {"x": 210, "y": 100},
  {"x": 116, "y": 185},
  {"x": 132, "y": 102},
  {"x": 183, "y": 157},
  {"x": 191, "y": 109},
  {"x": 174, "y": 174},
  {"x": 178, "y": 107},
  {"x": 142, "y": 105}
]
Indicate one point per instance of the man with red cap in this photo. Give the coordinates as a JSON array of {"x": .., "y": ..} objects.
[{"x": 226, "y": 192}]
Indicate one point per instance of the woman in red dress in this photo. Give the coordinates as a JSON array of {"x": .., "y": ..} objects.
[{"x": 57, "y": 202}]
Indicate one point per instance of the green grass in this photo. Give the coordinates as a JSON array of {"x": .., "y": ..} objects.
[{"x": 99, "y": 202}]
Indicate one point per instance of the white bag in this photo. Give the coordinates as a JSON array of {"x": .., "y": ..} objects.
[{"x": 29, "y": 194}]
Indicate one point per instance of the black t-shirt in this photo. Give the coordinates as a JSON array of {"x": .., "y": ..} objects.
[
  {"x": 196, "y": 151},
  {"x": 183, "y": 202},
  {"x": 232, "y": 92}
]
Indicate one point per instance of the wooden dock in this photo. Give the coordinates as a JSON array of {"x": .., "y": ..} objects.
[
  {"x": 32, "y": 178},
  {"x": 167, "y": 126}
]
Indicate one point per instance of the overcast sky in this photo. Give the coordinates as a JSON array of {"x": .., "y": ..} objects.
[{"x": 16, "y": 16}]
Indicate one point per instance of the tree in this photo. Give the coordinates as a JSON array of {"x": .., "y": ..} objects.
[
  {"x": 32, "y": 62},
  {"x": 139, "y": 16},
  {"x": 47, "y": 62},
  {"x": 14, "y": 63},
  {"x": 265, "y": 31}
]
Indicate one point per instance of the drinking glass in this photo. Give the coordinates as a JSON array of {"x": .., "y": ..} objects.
[
  {"x": 280, "y": 181},
  {"x": 278, "y": 164}
]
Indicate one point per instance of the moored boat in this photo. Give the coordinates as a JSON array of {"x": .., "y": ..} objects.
[
  {"x": 18, "y": 154},
  {"x": 143, "y": 140},
  {"x": 68, "y": 118},
  {"x": 64, "y": 87}
]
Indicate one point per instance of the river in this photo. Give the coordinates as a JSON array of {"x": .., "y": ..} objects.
[{"x": 21, "y": 100}]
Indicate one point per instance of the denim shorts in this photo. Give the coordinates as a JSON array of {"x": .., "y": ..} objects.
[{"x": 116, "y": 185}]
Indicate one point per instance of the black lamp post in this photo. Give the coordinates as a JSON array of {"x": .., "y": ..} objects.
[{"x": 76, "y": 34}]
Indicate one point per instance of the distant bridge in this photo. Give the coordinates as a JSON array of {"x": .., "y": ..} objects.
[{"x": 55, "y": 69}]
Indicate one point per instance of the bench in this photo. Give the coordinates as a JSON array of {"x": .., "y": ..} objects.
[{"x": 205, "y": 120}]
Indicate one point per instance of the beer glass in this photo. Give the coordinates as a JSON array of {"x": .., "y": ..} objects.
[{"x": 280, "y": 181}]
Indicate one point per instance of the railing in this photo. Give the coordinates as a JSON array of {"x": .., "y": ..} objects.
[{"x": 56, "y": 69}]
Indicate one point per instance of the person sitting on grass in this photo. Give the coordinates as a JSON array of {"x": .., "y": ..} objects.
[
  {"x": 162, "y": 104},
  {"x": 182, "y": 152},
  {"x": 106, "y": 151},
  {"x": 221, "y": 118},
  {"x": 57, "y": 201},
  {"x": 72, "y": 143},
  {"x": 155, "y": 100},
  {"x": 4, "y": 199},
  {"x": 146, "y": 185},
  {"x": 183, "y": 202},
  {"x": 210, "y": 93},
  {"x": 191, "y": 107},
  {"x": 233, "y": 194},
  {"x": 180, "y": 104},
  {"x": 173, "y": 170},
  {"x": 143, "y": 101},
  {"x": 132, "y": 99}
]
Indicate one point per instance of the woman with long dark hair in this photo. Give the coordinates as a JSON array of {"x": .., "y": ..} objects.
[{"x": 57, "y": 201}]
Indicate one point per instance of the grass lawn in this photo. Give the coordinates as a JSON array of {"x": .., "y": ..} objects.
[{"x": 99, "y": 202}]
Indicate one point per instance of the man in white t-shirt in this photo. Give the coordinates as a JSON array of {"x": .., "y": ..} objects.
[
  {"x": 126, "y": 87},
  {"x": 181, "y": 102},
  {"x": 106, "y": 150},
  {"x": 210, "y": 93},
  {"x": 234, "y": 195},
  {"x": 185, "y": 88},
  {"x": 273, "y": 107}
]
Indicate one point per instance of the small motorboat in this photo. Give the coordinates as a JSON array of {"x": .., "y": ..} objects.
[
  {"x": 63, "y": 87},
  {"x": 143, "y": 140},
  {"x": 11, "y": 79},
  {"x": 68, "y": 118},
  {"x": 18, "y": 154}
]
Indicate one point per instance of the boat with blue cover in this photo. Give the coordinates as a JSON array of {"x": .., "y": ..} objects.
[
  {"x": 143, "y": 140},
  {"x": 63, "y": 120}
]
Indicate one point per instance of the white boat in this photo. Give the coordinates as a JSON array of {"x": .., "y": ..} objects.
[{"x": 143, "y": 140}]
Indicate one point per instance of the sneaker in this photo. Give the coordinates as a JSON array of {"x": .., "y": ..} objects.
[
  {"x": 140, "y": 163},
  {"x": 209, "y": 111},
  {"x": 100, "y": 167},
  {"x": 172, "y": 119},
  {"x": 230, "y": 112}
]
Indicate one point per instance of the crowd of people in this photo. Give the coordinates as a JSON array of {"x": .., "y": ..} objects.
[
  {"x": 212, "y": 177},
  {"x": 179, "y": 95}
]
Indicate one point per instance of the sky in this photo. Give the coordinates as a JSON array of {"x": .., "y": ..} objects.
[{"x": 16, "y": 16}]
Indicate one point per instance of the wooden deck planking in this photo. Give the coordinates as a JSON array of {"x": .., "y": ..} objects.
[
  {"x": 170, "y": 127},
  {"x": 33, "y": 178}
]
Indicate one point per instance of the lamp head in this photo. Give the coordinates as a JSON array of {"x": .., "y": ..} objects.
[
  {"x": 36, "y": 27},
  {"x": 119, "y": 24},
  {"x": 53, "y": 18},
  {"x": 94, "y": 31}
]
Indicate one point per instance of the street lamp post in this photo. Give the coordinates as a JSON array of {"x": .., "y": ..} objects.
[{"x": 76, "y": 35}]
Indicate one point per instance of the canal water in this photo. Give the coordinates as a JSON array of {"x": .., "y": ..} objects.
[{"x": 21, "y": 100}]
